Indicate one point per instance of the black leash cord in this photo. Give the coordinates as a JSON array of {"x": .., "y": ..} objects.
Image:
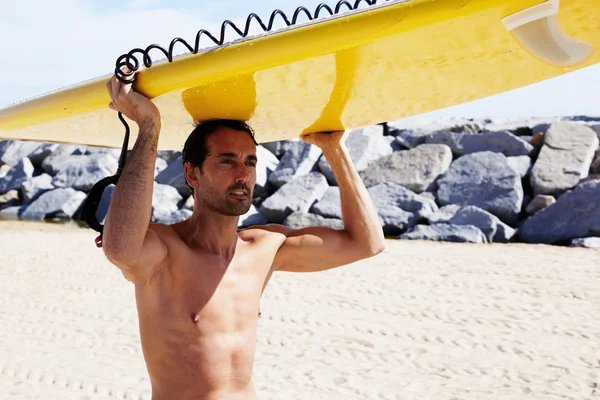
[
  {"x": 132, "y": 63},
  {"x": 129, "y": 61}
]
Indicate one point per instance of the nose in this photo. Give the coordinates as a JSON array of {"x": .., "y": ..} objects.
[{"x": 242, "y": 174}]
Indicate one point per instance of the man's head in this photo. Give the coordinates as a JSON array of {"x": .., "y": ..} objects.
[{"x": 219, "y": 159}]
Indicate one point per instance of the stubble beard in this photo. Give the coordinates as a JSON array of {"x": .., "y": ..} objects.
[{"x": 224, "y": 205}]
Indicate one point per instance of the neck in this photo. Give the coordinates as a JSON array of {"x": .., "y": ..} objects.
[{"x": 213, "y": 232}]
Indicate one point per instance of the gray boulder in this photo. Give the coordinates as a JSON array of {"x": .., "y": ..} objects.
[
  {"x": 415, "y": 169},
  {"x": 279, "y": 147},
  {"x": 300, "y": 159},
  {"x": 329, "y": 206},
  {"x": 36, "y": 186},
  {"x": 565, "y": 158},
  {"x": 44, "y": 150},
  {"x": 81, "y": 172},
  {"x": 12, "y": 212},
  {"x": 399, "y": 208},
  {"x": 60, "y": 158},
  {"x": 446, "y": 233},
  {"x": 174, "y": 176},
  {"x": 17, "y": 176},
  {"x": 538, "y": 203},
  {"x": 60, "y": 204},
  {"x": 300, "y": 220},
  {"x": 9, "y": 199},
  {"x": 252, "y": 218},
  {"x": 159, "y": 166},
  {"x": 494, "y": 229},
  {"x": 365, "y": 145},
  {"x": 412, "y": 132},
  {"x": 12, "y": 152},
  {"x": 484, "y": 180},
  {"x": 444, "y": 214},
  {"x": 497, "y": 142},
  {"x": 297, "y": 195},
  {"x": 165, "y": 201},
  {"x": 576, "y": 214},
  {"x": 588, "y": 243},
  {"x": 267, "y": 163},
  {"x": 521, "y": 164}
]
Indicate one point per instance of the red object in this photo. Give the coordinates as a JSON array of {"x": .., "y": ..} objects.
[{"x": 98, "y": 241}]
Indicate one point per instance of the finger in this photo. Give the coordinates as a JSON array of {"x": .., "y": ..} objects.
[{"x": 111, "y": 106}]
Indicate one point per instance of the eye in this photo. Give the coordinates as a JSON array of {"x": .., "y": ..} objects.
[{"x": 251, "y": 164}]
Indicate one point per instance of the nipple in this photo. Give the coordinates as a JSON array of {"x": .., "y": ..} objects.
[{"x": 195, "y": 318}]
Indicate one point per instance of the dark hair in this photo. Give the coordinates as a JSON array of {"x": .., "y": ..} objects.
[{"x": 196, "y": 147}]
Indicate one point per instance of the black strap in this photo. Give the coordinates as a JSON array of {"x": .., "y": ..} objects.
[{"x": 92, "y": 201}]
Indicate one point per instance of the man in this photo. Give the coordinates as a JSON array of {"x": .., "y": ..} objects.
[{"x": 198, "y": 283}]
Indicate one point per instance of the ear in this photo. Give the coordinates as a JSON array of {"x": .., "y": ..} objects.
[{"x": 191, "y": 174}]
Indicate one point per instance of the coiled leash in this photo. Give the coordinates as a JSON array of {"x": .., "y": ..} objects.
[{"x": 127, "y": 65}]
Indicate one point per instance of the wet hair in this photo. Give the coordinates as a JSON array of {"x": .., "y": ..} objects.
[{"x": 196, "y": 146}]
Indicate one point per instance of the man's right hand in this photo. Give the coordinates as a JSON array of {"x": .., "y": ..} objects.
[{"x": 133, "y": 105}]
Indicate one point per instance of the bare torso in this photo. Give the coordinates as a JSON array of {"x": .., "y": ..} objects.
[{"x": 198, "y": 318}]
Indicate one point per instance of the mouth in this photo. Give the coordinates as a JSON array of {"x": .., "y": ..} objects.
[{"x": 239, "y": 194}]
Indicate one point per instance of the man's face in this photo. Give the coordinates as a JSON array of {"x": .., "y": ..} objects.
[{"x": 228, "y": 176}]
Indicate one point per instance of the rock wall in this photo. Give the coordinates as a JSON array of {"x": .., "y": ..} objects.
[{"x": 459, "y": 180}]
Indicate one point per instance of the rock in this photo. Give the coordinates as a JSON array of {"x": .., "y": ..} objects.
[
  {"x": 267, "y": 163},
  {"x": 174, "y": 176},
  {"x": 494, "y": 229},
  {"x": 365, "y": 145},
  {"x": 415, "y": 169},
  {"x": 159, "y": 166},
  {"x": 298, "y": 194},
  {"x": 300, "y": 220},
  {"x": 60, "y": 204},
  {"x": 281, "y": 146},
  {"x": 521, "y": 164},
  {"x": 329, "y": 206},
  {"x": 171, "y": 218},
  {"x": 10, "y": 198},
  {"x": 539, "y": 203},
  {"x": 446, "y": 233},
  {"x": 444, "y": 214},
  {"x": 412, "y": 132},
  {"x": 60, "y": 159},
  {"x": 36, "y": 186},
  {"x": 484, "y": 180},
  {"x": 565, "y": 158},
  {"x": 596, "y": 129},
  {"x": 253, "y": 218},
  {"x": 300, "y": 159},
  {"x": 399, "y": 208},
  {"x": 12, "y": 152},
  {"x": 4, "y": 168},
  {"x": 44, "y": 150},
  {"x": 575, "y": 214},
  {"x": 165, "y": 201},
  {"x": 189, "y": 203},
  {"x": 589, "y": 243},
  {"x": 10, "y": 212},
  {"x": 497, "y": 142},
  {"x": 82, "y": 172},
  {"x": 17, "y": 176}
]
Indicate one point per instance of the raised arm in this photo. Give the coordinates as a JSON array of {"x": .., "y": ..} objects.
[
  {"x": 129, "y": 241},
  {"x": 316, "y": 248}
]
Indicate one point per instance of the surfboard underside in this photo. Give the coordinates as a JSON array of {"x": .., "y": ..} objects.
[{"x": 394, "y": 61}]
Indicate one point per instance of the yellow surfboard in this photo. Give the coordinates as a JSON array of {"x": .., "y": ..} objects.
[{"x": 376, "y": 63}]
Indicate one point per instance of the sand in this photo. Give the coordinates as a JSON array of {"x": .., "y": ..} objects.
[{"x": 421, "y": 321}]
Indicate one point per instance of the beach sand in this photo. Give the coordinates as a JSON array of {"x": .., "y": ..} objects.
[{"x": 421, "y": 321}]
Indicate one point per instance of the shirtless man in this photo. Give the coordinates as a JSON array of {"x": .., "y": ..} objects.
[{"x": 198, "y": 283}]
